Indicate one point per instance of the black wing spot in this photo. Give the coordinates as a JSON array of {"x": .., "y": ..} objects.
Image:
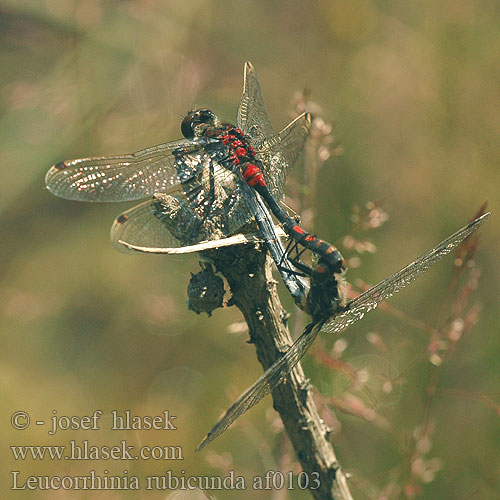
[
  {"x": 121, "y": 219},
  {"x": 60, "y": 166}
]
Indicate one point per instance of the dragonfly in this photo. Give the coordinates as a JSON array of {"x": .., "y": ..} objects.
[
  {"x": 205, "y": 188},
  {"x": 332, "y": 317}
]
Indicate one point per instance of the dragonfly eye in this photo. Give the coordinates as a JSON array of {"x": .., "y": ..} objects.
[{"x": 195, "y": 118}]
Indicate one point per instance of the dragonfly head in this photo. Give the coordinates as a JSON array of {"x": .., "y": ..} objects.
[{"x": 196, "y": 118}]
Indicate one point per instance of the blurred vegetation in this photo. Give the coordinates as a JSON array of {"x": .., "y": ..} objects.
[{"x": 413, "y": 89}]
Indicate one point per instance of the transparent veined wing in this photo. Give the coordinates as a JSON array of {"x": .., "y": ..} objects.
[
  {"x": 139, "y": 227},
  {"x": 118, "y": 178},
  {"x": 207, "y": 202},
  {"x": 267, "y": 382},
  {"x": 365, "y": 302},
  {"x": 279, "y": 153},
  {"x": 351, "y": 312},
  {"x": 252, "y": 116},
  {"x": 205, "y": 211},
  {"x": 140, "y": 230}
]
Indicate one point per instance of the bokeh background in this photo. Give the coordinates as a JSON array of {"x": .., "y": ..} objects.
[{"x": 413, "y": 88}]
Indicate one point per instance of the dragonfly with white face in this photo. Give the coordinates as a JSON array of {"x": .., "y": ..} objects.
[
  {"x": 333, "y": 317},
  {"x": 200, "y": 197}
]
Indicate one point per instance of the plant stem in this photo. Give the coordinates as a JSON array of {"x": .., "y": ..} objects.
[{"x": 249, "y": 274}]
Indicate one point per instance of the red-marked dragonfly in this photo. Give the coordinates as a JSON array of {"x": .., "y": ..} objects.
[
  {"x": 205, "y": 187},
  {"x": 333, "y": 317}
]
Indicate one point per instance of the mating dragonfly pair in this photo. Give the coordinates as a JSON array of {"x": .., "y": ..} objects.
[
  {"x": 202, "y": 188},
  {"x": 205, "y": 188}
]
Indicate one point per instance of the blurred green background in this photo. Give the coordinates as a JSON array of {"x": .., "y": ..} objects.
[{"x": 414, "y": 90}]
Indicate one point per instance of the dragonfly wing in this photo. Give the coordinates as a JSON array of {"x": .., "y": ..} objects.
[
  {"x": 208, "y": 203},
  {"x": 353, "y": 311},
  {"x": 209, "y": 212},
  {"x": 269, "y": 380},
  {"x": 140, "y": 230},
  {"x": 280, "y": 152},
  {"x": 139, "y": 227},
  {"x": 358, "y": 307},
  {"x": 118, "y": 178},
  {"x": 252, "y": 116}
]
